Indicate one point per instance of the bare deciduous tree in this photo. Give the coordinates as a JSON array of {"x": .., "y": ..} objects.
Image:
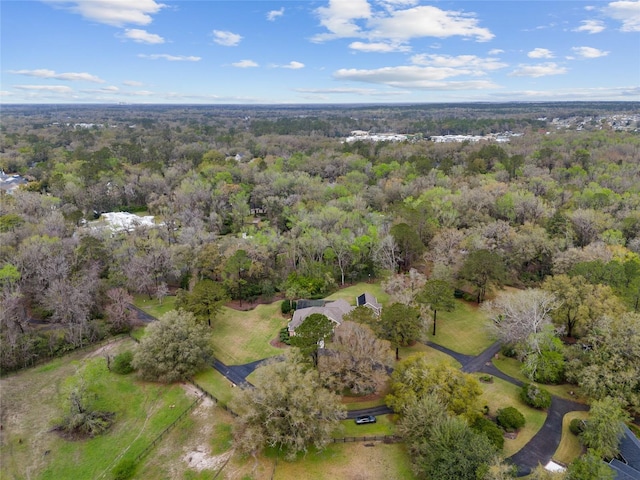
[{"x": 355, "y": 361}]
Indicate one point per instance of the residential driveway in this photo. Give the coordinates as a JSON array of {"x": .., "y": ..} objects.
[
  {"x": 538, "y": 450},
  {"x": 543, "y": 445}
]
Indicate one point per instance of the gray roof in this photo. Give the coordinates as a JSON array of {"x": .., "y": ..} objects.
[
  {"x": 367, "y": 298},
  {"x": 628, "y": 468},
  {"x": 334, "y": 311}
]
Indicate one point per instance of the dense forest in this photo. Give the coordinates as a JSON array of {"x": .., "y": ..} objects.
[{"x": 267, "y": 201}]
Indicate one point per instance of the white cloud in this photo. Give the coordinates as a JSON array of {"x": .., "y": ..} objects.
[
  {"x": 626, "y": 11},
  {"x": 379, "y": 47},
  {"x": 589, "y": 52},
  {"x": 602, "y": 93},
  {"x": 171, "y": 58},
  {"x": 45, "y": 88},
  {"x": 273, "y": 14},
  {"x": 395, "y": 23},
  {"x": 293, "y": 65},
  {"x": 496, "y": 51},
  {"x": 540, "y": 53},
  {"x": 111, "y": 89},
  {"x": 413, "y": 76},
  {"x": 540, "y": 70},
  {"x": 132, "y": 83},
  {"x": 228, "y": 39},
  {"x": 427, "y": 21},
  {"x": 467, "y": 64},
  {"x": 142, "y": 36},
  {"x": 591, "y": 26},
  {"x": 50, "y": 74},
  {"x": 339, "y": 18},
  {"x": 245, "y": 64},
  {"x": 350, "y": 91},
  {"x": 112, "y": 12}
]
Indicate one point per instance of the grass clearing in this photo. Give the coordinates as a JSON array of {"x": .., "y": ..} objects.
[
  {"x": 384, "y": 425},
  {"x": 153, "y": 306},
  {"x": 511, "y": 367},
  {"x": 32, "y": 401},
  {"x": 352, "y": 291},
  {"x": 370, "y": 460},
  {"x": 241, "y": 337},
  {"x": 431, "y": 353},
  {"x": 216, "y": 384},
  {"x": 502, "y": 394},
  {"x": 464, "y": 330},
  {"x": 570, "y": 447},
  {"x": 196, "y": 449}
]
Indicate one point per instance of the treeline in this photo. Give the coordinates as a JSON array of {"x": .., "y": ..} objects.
[{"x": 297, "y": 214}]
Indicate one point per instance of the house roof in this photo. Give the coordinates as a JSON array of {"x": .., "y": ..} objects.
[
  {"x": 367, "y": 298},
  {"x": 332, "y": 310},
  {"x": 628, "y": 467},
  {"x": 8, "y": 183}
]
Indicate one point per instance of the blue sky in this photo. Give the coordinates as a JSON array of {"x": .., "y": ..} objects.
[{"x": 329, "y": 51}]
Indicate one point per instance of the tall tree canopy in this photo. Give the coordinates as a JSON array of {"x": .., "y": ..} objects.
[
  {"x": 483, "y": 269},
  {"x": 438, "y": 294},
  {"x": 288, "y": 409},
  {"x": 173, "y": 348}
]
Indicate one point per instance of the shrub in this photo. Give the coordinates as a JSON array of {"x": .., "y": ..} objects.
[
  {"x": 535, "y": 396},
  {"x": 122, "y": 363},
  {"x": 285, "y": 307},
  {"x": 508, "y": 350},
  {"x": 510, "y": 419},
  {"x": 491, "y": 430},
  {"x": 124, "y": 470},
  {"x": 284, "y": 336},
  {"x": 576, "y": 426},
  {"x": 546, "y": 367}
]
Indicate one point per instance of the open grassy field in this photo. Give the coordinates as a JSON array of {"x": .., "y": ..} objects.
[
  {"x": 244, "y": 336},
  {"x": 368, "y": 460},
  {"x": 153, "y": 306},
  {"x": 350, "y": 292},
  {"x": 32, "y": 402},
  {"x": 501, "y": 394},
  {"x": 464, "y": 330}
]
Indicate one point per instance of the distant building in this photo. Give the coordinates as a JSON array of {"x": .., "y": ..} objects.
[{"x": 9, "y": 183}]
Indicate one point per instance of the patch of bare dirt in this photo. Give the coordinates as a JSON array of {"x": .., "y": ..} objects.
[
  {"x": 201, "y": 459},
  {"x": 278, "y": 344}
]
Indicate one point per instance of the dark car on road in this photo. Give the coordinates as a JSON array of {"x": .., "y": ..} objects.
[{"x": 362, "y": 419}]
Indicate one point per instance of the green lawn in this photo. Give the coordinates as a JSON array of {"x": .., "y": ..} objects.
[
  {"x": 431, "y": 353},
  {"x": 243, "y": 336},
  {"x": 216, "y": 384},
  {"x": 384, "y": 426},
  {"x": 464, "y": 330},
  {"x": 153, "y": 306},
  {"x": 570, "y": 447},
  {"x": 511, "y": 367},
  {"x": 501, "y": 394},
  {"x": 34, "y": 397},
  {"x": 351, "y": 292},
  {"x": 370, "y": 460}
]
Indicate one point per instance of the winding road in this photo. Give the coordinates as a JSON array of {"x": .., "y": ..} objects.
[{"x": 539, "y": 450}]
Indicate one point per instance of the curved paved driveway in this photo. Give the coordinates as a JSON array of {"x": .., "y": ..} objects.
[{"x": 538, "y": 450}]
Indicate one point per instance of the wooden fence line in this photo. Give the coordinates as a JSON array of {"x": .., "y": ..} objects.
[
  {"x": 383, "y": 438},
  {"x": 167, "y": 430}
]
